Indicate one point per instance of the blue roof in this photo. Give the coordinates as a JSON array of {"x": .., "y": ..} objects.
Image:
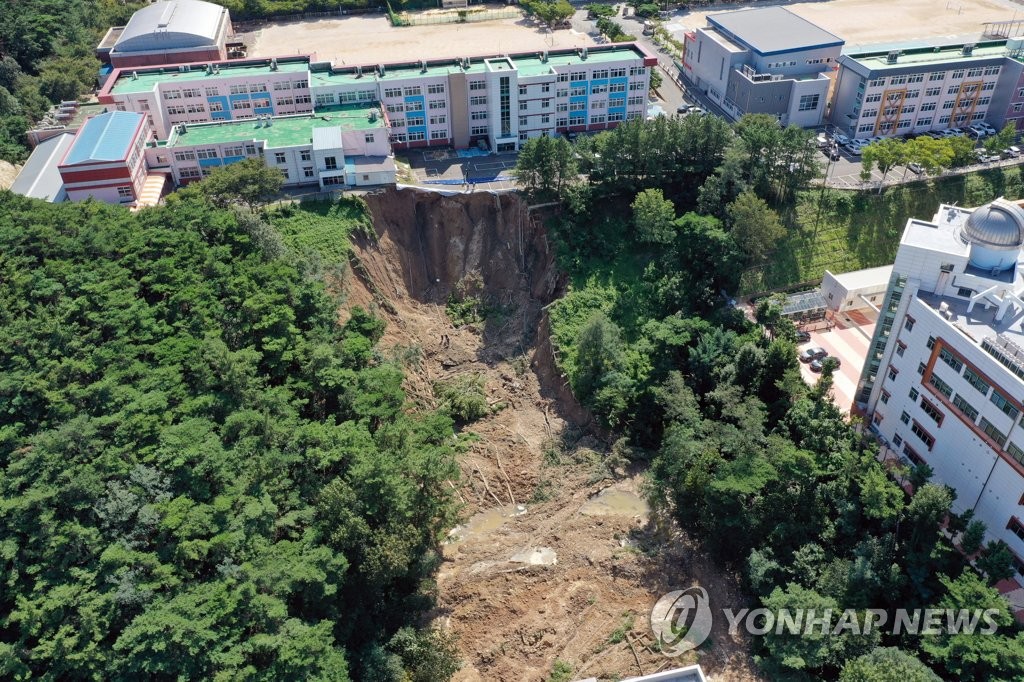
[{"x": 106, "y": 137}]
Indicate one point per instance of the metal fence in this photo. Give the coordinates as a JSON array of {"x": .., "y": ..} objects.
[{"x": 455, "y": 16}]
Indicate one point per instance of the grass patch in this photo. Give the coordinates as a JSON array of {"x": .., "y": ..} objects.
[
  {"x": 322, "y": 228},
  {"x": 619, "y": 633},
  {"x": 840, "y": 230},
  {"x": 560, "y": 672}
]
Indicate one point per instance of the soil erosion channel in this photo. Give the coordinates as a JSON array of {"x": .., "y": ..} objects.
[{"x": 556, "y": 558}]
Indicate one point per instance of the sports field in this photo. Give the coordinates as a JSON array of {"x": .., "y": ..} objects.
[{"x": 373, "y": 40}]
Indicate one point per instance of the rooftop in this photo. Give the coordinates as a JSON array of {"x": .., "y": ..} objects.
[
  {"x": 913, "y": 56},
  {"x": 177, "y": 23},
  {"x": 869, "y": 277},
  {"x": 147, "y": 79},
  {"x": 773, "y": 30},
  {"x": 527, "y": 65},
  {"x": 106, "y": 137},
  {"x": 39, "y": 177},
  {"x": 285, "y": 131}
]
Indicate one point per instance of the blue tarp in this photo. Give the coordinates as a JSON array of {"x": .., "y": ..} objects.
[
  {"x": 475, "y": 180},
  {"x": 472, "y": 153}
]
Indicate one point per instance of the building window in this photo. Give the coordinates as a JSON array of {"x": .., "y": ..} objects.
[
  {"x": 920, "y": 432},
  {"x": 897, "y": 440},
  {"x": 417, "y": 136},
  {"x": 992, "y": 432},
  {"x": 951, "y": 360},
  {"x": 905, "y": 418},
  {"x": 976, "y": 381},
  {"x": 921, "y": 367},
  {"x": 306, "y": 155},
  {"x": 125, "y": 193},
  {"x": 1000, "y": 401},
  {"x": 330, "y": 163},
  {"x": 1018, "y": 456},
  {"x": 913, "y": 394},
  {"x": 908, "y": 324},
  {"x": 941, "y": 386},
  {"x": 931, "y": 411},
  {"x": 900, "y": 348},
  {"x": 809, "y": 102},
  {"x": 436, "y": 89},
  {"x": 439, "y": 134},
  {"x": 893, "y": 372},
  {"x": 392, "y": 92},
  {"x": 477, "y": 85},
  {"x": 965, "y": 407},
  {"x": 885, "y": 397},
  {"x": 284, "y": 172},
  {"x": 307, "y": 172},
  {"x": 912, "y": 455},
  {"x": 414, "y": 91},
  {"x": 368, "y": 138},
  {"x": 478, "y": 130},
  {"x": 279, "y": 157}
]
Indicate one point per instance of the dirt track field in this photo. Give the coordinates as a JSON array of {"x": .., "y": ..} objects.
[
  {"x": 372, "y": 39},
  {"x": 870, "y": 22}
]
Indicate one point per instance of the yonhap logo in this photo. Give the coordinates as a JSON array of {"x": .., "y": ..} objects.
[{"x": 681, "y": 620}]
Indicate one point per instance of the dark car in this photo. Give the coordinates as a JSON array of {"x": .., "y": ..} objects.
[
  {"x": 803, "y": 337},
  {"x": 819, "y": 364},
  {"x": 813, "y": 353}
]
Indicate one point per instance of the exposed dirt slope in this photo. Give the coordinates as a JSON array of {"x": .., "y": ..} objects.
[{"x": 529, "y": 481}]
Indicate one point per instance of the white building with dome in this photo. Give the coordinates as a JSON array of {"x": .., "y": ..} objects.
[{"x": 943, "y": 382}]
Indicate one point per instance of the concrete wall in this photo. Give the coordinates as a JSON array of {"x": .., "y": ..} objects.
[{"x": 812, "y": 117}]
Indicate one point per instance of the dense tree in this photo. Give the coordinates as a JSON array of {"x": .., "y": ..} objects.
[
  {"x": 754, "y": 226},
  {"x": 931, "y": 154},
  {"x": 545, "y": 166},
  {"x": 251, "y": 182},
  {"x": 653, "y": 217},
  {"x": 882, "y": 156},
  {"x": 887, "y": 664},
  {"x": 1001, "y": 140},
  {"x": 203, "y": 476}
]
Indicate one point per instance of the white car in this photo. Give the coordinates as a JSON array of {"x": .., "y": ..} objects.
[
  {"x": 841, "y": 139},
  {"x": 985, "y": 128}
]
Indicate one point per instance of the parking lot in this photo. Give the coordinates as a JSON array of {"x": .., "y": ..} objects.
[{"x": 848, "y": 340}]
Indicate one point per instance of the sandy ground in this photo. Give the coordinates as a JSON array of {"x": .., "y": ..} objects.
[
  {"x": 872, "y": 22},
  {"x": 372, "y": 39},
  {"x": 8, "y": 172}
]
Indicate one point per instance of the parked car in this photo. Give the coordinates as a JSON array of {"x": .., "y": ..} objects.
[
  {"x": 813, "y": 353},
  {"x": 833, "y": 153},
  {"x": 915, "y": 168},
  {"x": 936, "y": 134},
  {"x": 840, "y": 139},
  {"x": 802, "y": 336},
  {"x": 855, "y": 149},
  {"x": 819, "y": 364},
  {"x": 985, "y": 128},
  {"x": 1011, "y": 152}
]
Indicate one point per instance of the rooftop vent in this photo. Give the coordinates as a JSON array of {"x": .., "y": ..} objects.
[
  {"x": 380, "y": 69},
  {"x": 135, "y": 75},
  {"x": 373, "y": 116},
  {"x": 359, "y": 72},
  {"x": 273, "y": 64},
  {"x": 545, "y": 57},
  {"x": 892, "y": 57},
  {"x": 968, "y": 49},
  {"x": 584, "y": 54},
  {"x": 423, "y": 66}
]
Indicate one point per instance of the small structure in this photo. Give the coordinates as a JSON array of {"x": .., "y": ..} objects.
[
  {"x": 805, "y": 307},
  {"x": 39, "y": 177},
  {"x": 856, "y": 290},
  {"x": 168, "y": 32},
  {"x": 106, "y": 159}
]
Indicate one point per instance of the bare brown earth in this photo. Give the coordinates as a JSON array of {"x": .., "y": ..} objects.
[{"x": 527, "y": 480}]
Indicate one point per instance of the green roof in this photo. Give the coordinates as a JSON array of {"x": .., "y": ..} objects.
[
  {"x": 533, "y": 66},
  {"x": 286, "y": 131},
  {"x": 918, "y": 56},
  {"x": 526, "y": 65},
  {"x": 147, "y": 80}
]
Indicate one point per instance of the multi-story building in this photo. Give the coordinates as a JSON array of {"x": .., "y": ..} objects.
[
  {"x": 168, "y": 32},
  {"x": 943, "y": 382},
  {"x": 500, "y": 100},
  {"x": 764, "y": 61},
  {"x": 917, "y": 89},
  {"x": 200, "y": 93},
  {"x": 106, "y": 160},
  {"x": 339, "y": 145}
]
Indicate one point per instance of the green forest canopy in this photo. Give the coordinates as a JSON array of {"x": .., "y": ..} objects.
[{"x": 201, "y": 474}]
